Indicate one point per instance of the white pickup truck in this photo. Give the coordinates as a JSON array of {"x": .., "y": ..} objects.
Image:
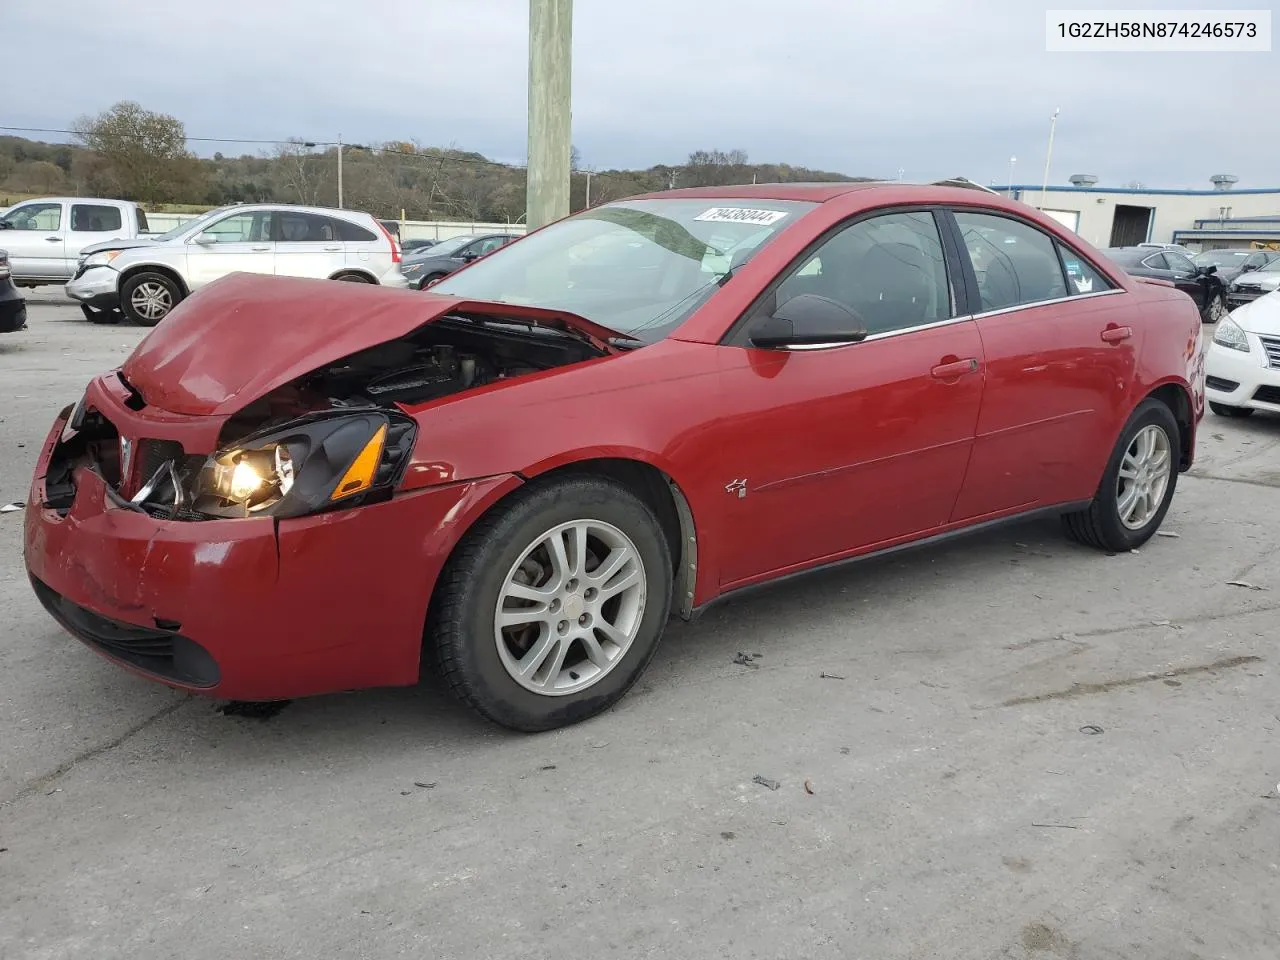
[{"x": 44, "y": 237}]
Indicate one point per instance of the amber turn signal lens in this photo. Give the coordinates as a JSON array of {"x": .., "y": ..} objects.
[{"x": 359, "y": 476}]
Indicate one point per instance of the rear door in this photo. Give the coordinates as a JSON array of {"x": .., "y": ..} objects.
[
  {"x": 1061, "y": 350},
  {"x": 362, "y": 248},
  {"x": 237, "y": 243},
  {"x": 35, "y": 234},
  {"x": 92, "y": 223},
  {"x": 843, "y": 448},
  {"x": 308, "y": 245}
]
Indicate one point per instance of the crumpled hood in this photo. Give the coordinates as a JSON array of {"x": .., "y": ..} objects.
[
  {"x": 1263, "y": 279},
  {"x": 121, "y": 244},
  {"x": 244, "y": 335}
]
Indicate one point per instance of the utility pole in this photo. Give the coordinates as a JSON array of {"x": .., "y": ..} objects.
[
  {"x": 550, "y": 110},
  {"x": 588, "y": 204},
  {"x": 1012, "y": 161},
  {"x": 1044, "y": 189},
  {"x": 339, "y": 171}
]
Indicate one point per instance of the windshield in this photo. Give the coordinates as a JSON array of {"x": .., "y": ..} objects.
[
  {"x": 1221, "y": 258},
  {"x": 639, "y": 267},
  {"x": 182, "y": 228},
  {"x": 446, "y": 247}
]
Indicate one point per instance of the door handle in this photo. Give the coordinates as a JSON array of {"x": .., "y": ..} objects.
[
  {"x": 259, "y": 249},
  {"x": 1116, "y": 334},
  {"x": 332, "y": 249},
  {"x": 955, "y": 368},
  {"x": 54, "y": 239}
]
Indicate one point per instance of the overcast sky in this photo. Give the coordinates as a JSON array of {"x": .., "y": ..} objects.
[{"x": 862, "y": 87}]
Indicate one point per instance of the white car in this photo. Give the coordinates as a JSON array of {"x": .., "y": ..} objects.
[
  {"x": 146, "y": 278},
  {"x": 1242, "y": 367}
]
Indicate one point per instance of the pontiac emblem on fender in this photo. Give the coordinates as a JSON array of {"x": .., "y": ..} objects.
[{"x": 126, "y": 459}]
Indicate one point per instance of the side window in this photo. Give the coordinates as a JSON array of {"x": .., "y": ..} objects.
[
  {"x": 306, "y": 228},
  {"x": 1081, "y": 277},
  {"x": 142, "y": 220},
  {"x": 242, "y": 228},
  {"x": 890, "y": 270},
  {"x": 94, "y": 218},
  {"x": 490, "y": 245},
  {"x": 1015, "y": 263},
  {"x": 35, "y": 216},
  {"x": 353, "y": 233},
  {"x": 1179, "y": 264},
  {"x": 1156, "y": 262}
]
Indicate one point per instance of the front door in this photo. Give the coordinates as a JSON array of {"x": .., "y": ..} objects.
[
  {"x": 35, "y": 235},
  {"x": 239, "y": 243},
  {"x": 1060, "y": 350},
  {"x": 841, "y": 449}
]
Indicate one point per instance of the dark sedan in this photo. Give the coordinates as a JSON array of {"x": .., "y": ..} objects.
[
  {"x": 1232, "y": 263},
  {"x": 13, "y": 308},
  {"x": 1201, "y": 283},
  {"x": 441, "y": 259}
]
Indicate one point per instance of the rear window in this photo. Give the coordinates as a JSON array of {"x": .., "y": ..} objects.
[
  {"x": 142, "y": 220},
  {"x": 349, "y": 231},
  {"x": 94, "y": 218}
]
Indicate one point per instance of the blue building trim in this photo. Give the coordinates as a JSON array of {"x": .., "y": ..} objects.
[
  {"x": 1018, "y": 188},
  {"x": 1223, "y": 234},
  {"x": 1225, "y": 220}
]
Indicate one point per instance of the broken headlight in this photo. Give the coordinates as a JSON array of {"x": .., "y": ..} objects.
[{"x": 305, "y": 467}]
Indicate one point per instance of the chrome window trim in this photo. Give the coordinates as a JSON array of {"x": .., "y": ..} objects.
[{"x": 1046, "y": 303}]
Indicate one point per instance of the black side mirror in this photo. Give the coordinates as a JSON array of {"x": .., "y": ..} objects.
[
  {"x": 1208, "y": 271},
  {"x": 1248, "y": 268},
  {"x": 5, "y": 225},
  {"x": 808, "y": 320},
  {"x": 468, "y": 255}
]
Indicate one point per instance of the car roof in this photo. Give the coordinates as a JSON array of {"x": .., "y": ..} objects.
[{"x": 942, "y": 191}]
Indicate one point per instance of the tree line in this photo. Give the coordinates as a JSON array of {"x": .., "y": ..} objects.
[{"x": 131, "y": 153}]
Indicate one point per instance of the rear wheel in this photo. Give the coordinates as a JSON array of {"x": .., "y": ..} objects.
[
  {"x": 1222, "y": 410},
  {"x": 146, "y": 298},
  {"x": 354, "y": 278},
  {"x": 1137, "y": 486},
  {"x": 552, "y": 607}
]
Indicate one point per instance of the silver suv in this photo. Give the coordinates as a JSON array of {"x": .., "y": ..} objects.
[{"x": 144, "y": 279}]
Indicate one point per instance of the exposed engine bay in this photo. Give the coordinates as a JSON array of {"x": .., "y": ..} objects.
[{"x": 450, "y": 356}]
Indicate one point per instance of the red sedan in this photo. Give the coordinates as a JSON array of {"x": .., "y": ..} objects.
[{"x": 293, "y": 487}]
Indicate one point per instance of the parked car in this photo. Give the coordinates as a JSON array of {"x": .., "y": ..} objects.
[
  {"x": 439, "y": 260},
  {"x": 145, "y": 279},
  {"x": 412, "y": 246},
  {"x": 46, "y": 237},
  {"x": 1200, "y": 283},
  {"x": 1175, "y": 247},
  {"x": 1243, "y": 361},
  {"x": 1251, "y": 286},
  {"x": 543, "y": 457},
  {"x": 1232, "y": 264},
  {"x": 13, "y": 307}
]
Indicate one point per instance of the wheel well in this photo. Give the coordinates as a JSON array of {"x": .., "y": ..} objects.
[
  {"x": 164, "y": 271},
  {"x": 355, "y": 273},
  {"x": 1176, "y": 399},
  {"x": 667, "y": 501}
]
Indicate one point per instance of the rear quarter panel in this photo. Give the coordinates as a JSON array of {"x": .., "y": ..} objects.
[{"x": 1173, "y": 344}]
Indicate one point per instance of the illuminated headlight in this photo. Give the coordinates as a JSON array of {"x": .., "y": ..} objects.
[
  {"x": 310, "y": 465},
  {"x": 1229, "y": 334},
  {"x": 100, "y": 259}
]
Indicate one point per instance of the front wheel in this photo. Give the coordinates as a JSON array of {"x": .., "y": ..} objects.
[
  {"x": 146, "y": 298},
  {"x": 431, "y": 279},
  {"x": 552, "y": 607},
  {"x": 1216, "y": 309},
  {"x": 1137, "y": 486}
]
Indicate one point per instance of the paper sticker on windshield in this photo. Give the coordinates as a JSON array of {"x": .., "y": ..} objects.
[{"x": 759, "y": 218}]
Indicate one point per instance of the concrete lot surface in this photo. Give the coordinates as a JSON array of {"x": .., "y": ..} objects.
[{"x": 1027, "y": 750}]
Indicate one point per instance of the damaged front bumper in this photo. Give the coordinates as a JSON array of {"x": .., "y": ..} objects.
[{"x": 250, "y": 608}]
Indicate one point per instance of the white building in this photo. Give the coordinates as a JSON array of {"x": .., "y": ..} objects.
[{"x": 1124, "y": 216}]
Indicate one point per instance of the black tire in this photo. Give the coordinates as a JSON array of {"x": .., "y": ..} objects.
[
  {"x": 354, "y": 278},
  {"x": 1238, "y": 413},
  {"x": 130, "y": 286},
  {"x": 1215, "y": 309},
  {"x": 94, "y": 315},
  {"x": 431, "y": 278},
  {"x": 461, "y": 620},
  {"x": 1099, "y": 524}
]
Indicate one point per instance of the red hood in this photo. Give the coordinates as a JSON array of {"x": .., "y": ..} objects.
[{"x": 246, "y": 334}]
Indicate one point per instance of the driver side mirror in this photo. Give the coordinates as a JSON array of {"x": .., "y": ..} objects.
[
  {"x": 1207, "y": 271},
  {"x": 5, "y": 225},
  {"x": 205, "y": 239},
  {"x": 468, "y": 256},
  {"x": 1249, "y": 267},
  {"x": 808, "y": 320}
]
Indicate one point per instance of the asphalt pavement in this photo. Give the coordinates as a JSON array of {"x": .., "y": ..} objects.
[{"x": 1009, "y": 746}]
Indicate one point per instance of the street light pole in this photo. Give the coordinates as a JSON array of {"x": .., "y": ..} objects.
[
  {"x": 1012, "y": 161},
  {"x": 550, "y": 110},
  {"x": 339, "y": 171},
  {"x": 1044, "y": 190}
]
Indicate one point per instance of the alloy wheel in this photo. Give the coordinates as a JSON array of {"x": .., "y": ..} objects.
[
  {"x": 151, "y": 300},
  {"x": 1144, "y": 477}
]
